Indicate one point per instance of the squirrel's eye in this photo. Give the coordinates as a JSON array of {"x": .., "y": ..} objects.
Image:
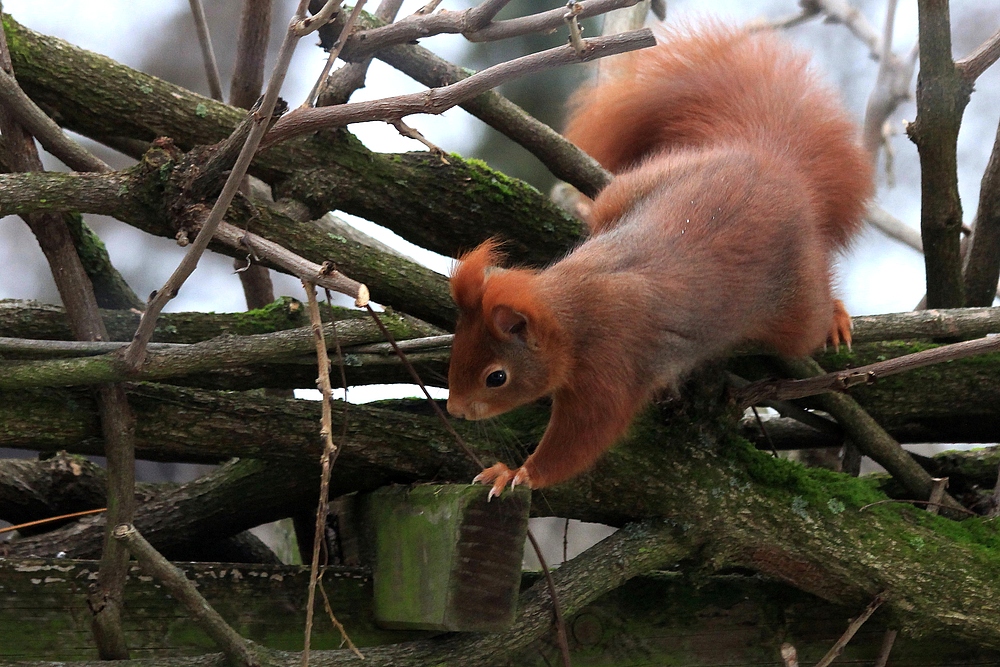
[{"x": 496, "y": 379}]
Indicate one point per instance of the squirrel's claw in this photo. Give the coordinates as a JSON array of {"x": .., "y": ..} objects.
[
  {"x": 500, "y": 475},
  {"x": 840, "y": 327}
]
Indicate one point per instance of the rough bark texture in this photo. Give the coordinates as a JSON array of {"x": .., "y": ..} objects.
[
  {"x": 442, "y": 207},
  {"x": 941, "y": 98}
]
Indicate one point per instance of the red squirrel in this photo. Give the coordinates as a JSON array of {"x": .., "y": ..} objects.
[{"x": 737, "y": 176}]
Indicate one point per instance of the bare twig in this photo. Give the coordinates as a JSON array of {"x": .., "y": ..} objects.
[
  {"x": 416, "y": 378},
  {"x": 428, "y": 8},
  {"x": 309, "y": 24},
  {"x": 43, "y": 128},
  {"x": 907, "y": 501},
  {"x": 415, "y": 134},
  {"x": 418, "y": 26},
  {"x": 438, "y": 100},
  {"x": 982, "y": 270},
  {"x": 841, "y": 11},
  {"x": 276, "y": 255},
  {"x": 892, "y": 87},
  {"x": 842, "y": 380},
  {"x": 137, "y": 350},
  {"x": 334, "y": 52},
  {"x": 329, "y": 449},
  {"x": 977, "y": 62},
  {"x": 852, "y": 628},
  {"x": 207, "y": 52},
  {"x": 238, "y": 650},
  {"x": 61, "y": 517},
  {"x": 341, "y": 84},
  {"x": 556, "y": 610},
  {"x": 561, "y": 157},
  {"x": 893, "y": 227},
  {"x": 345, "y": 638}
]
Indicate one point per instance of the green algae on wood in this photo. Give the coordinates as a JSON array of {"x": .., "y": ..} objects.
[{"x": 444, "y": 557}]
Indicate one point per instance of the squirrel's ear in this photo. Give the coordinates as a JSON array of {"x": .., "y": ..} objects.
[
  {"x": 510, "y": 322},
  {"x": 469, "y": 275}
]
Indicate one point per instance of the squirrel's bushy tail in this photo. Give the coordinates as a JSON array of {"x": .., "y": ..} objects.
[{"x": 726, "y": 86}]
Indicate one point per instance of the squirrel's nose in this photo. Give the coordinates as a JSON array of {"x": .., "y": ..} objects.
[{"x": 455, "y": 410}]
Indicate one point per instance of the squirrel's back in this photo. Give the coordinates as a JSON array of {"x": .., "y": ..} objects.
[{"x": 719, "y": 86}]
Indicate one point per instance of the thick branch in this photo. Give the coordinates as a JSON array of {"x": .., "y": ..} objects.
[
  {"x": 226, "y": 352},
  {"x": 397, "y": 281},
  {"x": 942, "y": 94},
  {"x": 430, "y": 203}
]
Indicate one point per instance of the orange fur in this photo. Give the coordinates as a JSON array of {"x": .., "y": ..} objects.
[{"x": 738, "y": 177}]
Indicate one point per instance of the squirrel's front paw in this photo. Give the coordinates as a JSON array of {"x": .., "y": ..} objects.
[{"x": 499, "y": 474}]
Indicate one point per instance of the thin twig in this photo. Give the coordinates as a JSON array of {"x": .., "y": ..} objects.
[
  {"x": 269, "y": 252},
  {"x": 415, "y": 134},
  {"x": 908, "y": 501},
  {"x": 329, "y": 450},
  {"x": 980, "y": 60},
  {"x": 417, "y": 26},
  {"x": 852, "y": 628},
  {"x": 345, "y": 638},
  {"x": 556, "y": 610},
  {"x": 43, "y": 128},
  {"x": 39, "y": 522},
  {"x": 334, "y": 52},
  {"x": 767, "y": 436},
  {"x": 207, "y": 52},
  {"x": 341, "y": 84},
  {"x": 562, "y": 158},
  {"x": 852, "y": 377},
  {"x": 438, "y": 100},
  {"x": 136, "y": 352},
  {"x": 420, "y": 383}
]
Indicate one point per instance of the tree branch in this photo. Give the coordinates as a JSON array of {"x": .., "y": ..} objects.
[
  {"x": 414, "y": 194},
  {"x": 225, "y": 352},
  {"x": 982, "y": 271},
  {"x": 870, "y": 374},
  {"x": 562, "y": 158},
  {"x": 437, "y": 100},
  {"x": 942, "y": 95},
  {"x": 980, "y": 60},
  {"x": 43, "y": 128},
  {"x": 417, "y": 26}
]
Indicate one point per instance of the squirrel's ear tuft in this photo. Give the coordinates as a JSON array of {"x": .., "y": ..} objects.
[{"x": 468, "y": 278}]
